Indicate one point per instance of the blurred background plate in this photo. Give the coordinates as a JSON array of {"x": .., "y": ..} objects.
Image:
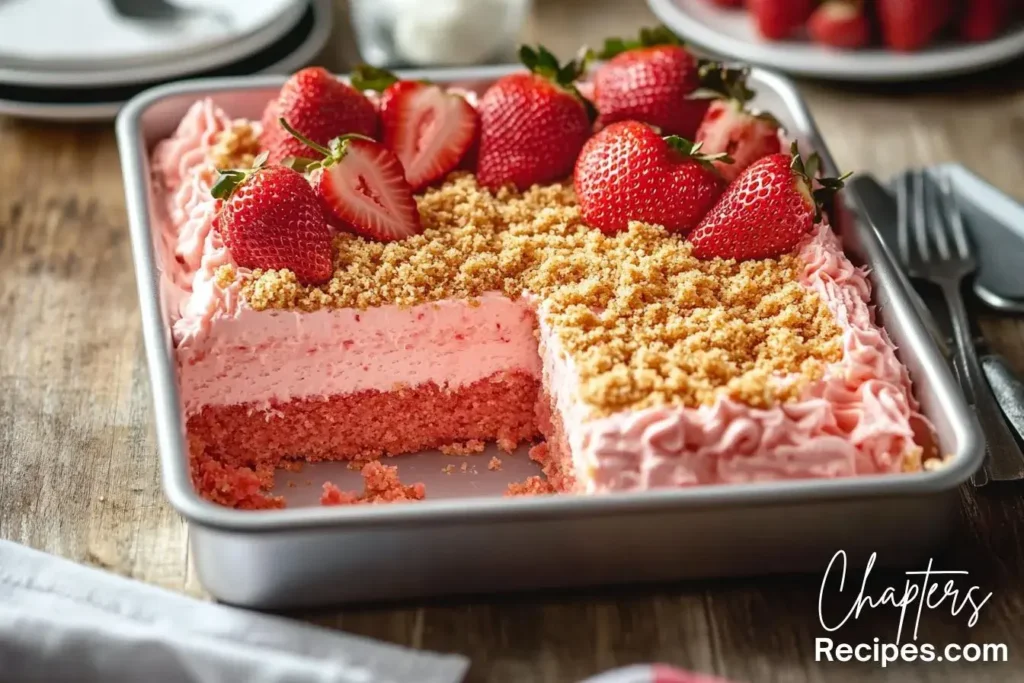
[
  {"x": 115, "y": 34},
  {"x": 38, "y": 74},
  {"x": 730, "y": 33},
  {"x": 290, "y": 52}
]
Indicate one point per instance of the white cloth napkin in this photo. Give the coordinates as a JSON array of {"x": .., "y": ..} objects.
[{"x": 60, "y": 621}]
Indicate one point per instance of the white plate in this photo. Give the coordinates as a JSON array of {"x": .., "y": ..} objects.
[
  {"x": 311, "y": 36},
  {"x": 730, "y": 33},
  {"x": 182, "y": 65},
  {"x": 88, "y": 35}
]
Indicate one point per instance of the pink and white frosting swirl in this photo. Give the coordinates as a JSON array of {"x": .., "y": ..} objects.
[
  {"x": 857, "y": 420},
  {"x": 193, "y": 250},
  {"x": 190, "y": 144}
]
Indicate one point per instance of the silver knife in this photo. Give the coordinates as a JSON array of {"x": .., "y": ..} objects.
[{"x": 1009, "y": 390}]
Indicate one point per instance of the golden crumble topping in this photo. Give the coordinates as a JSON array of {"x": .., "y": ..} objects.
[
  {"x": 236, "y": 147},
  {"x": 645, "y": 322}
]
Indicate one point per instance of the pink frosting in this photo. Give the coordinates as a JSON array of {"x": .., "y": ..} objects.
[
  {"x": 857, "y": 420},
  {"x": 175, "y": 157},
  {"x": 268, "y": 358}
]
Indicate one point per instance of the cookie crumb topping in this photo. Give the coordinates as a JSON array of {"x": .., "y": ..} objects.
[
  {"x": 236, "y": 147},
  {"x": 645, "y": 322}
]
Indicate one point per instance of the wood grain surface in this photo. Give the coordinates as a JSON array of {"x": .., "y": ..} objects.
[{"x": 78, "y": 465}]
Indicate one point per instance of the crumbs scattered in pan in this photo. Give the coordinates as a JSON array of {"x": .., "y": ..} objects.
[
  {"x": 532, "y": 486},
  {"x": 495, "y": 464},
  {"x": 380, "y": 485},
  {"x": 471, "y": 447}
]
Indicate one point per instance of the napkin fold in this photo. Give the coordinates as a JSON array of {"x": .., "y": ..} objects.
[{"x": 60, "y": 621}]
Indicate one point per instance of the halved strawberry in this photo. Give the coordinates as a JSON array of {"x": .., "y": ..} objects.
[
  {"x": 362, "y": 187},
  {"x": 729, "y": 126},
  {"x": 766, "y": 211},
  {"x": 427, "y": 127}
]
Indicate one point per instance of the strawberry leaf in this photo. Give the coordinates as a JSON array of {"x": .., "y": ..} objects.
[
  {"x": 692, "y": 150},
  {"x": 718, "y": 81},
  {"x": 528, "y": 56},
  {"x": 659, "y": 35},
  {"x": 616, "y": 46},
  {"x": 806, "y": 172},
  {"x": 547, "y": 63},
  {"x": 300, "y": 164},
  {"x": 543, "y": 63},
  {"x": 227, "y": 182},
  {"x": 367, "y": 77},
  {"x": 649, "y": 37}
]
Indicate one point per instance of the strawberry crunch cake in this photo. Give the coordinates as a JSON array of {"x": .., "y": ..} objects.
[{"x": 641, "y": 277}]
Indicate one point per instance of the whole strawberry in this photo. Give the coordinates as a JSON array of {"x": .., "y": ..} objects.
[
  {"x": 910, "y": 25},
  {"x": 628, "y": 172},
  {"x": 766, "y": 211},
  {"x": 842, "y": 24},
  {"x": 271, "y": 219},
  {"x": 984, "y": 19},
  {"x": 730, "y": 127},
  {"x": 361, "y": 187},
  {"x": 430, "y": 129},
  {"x": 532, "y": 125},
  {"x": 780, "y": 19},
  {"x": 649, "y": 80},
  {"x": 321, "y": 107}
]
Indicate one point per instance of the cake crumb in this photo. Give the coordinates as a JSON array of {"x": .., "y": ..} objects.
[
  {"x": 292, "y": 465},
  {"x": 540, "y": 453},
  {"x": 332, "y": 495},
  {"x": 236, "y": 146},
  {"x": 471, "y": 447},
  {"x": 495, "y": 464},
  {"x": 357, "y": 465},
  {"x": 532, "y": 486},
  {"x": 464, "y": 468},
  {"x": 507, "y": 445},
  {"x": 448, "y": 469},
  {"x": 381, "y": 484}
]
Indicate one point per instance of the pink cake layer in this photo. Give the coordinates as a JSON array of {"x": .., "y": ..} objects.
[
  {"x": 235, "y": 449},
  {"x": 252, "y": 374}
]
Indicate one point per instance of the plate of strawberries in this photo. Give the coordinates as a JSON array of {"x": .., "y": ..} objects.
[{"x": 854, "y": 40}]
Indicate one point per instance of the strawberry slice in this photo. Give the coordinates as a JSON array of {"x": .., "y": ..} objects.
[
  {"x": 362, "y": 187},
  {"x": 428, "y": 128}
]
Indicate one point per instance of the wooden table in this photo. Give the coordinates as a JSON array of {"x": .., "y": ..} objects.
[{"x": 78, "y": 465}]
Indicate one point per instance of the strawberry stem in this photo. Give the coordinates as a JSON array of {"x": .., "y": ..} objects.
[
  {"x": 367, "y": 77},
  {"x": 229, "y": 179},
  {"x": 303, "y": 139}
]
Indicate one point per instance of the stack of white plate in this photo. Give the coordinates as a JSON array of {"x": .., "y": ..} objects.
[{"x": 77, "y": 60}]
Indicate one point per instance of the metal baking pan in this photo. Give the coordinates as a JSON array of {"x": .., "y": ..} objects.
[{"x": 473, "y": 540}]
